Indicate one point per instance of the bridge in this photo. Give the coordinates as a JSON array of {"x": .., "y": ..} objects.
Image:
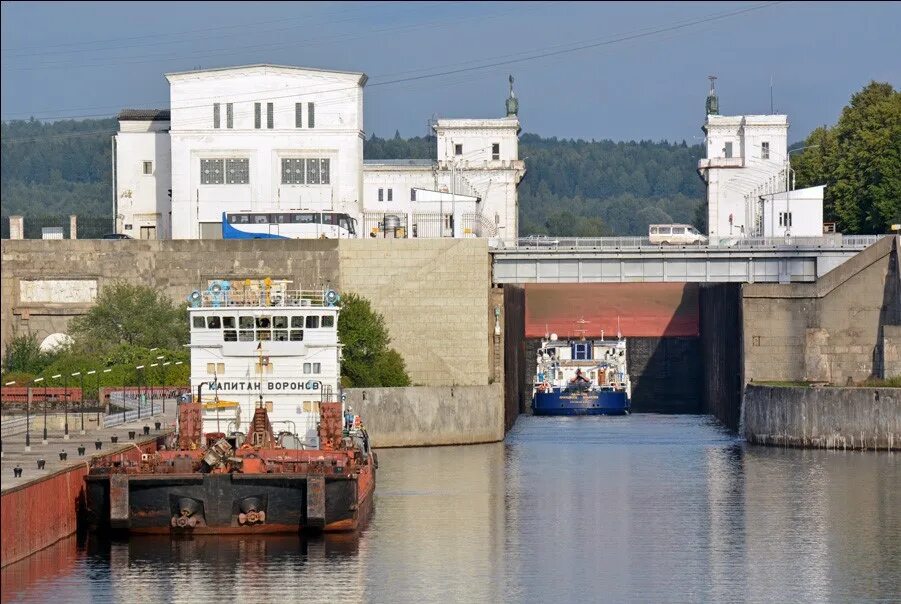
[{"x": 635, "y": 259}]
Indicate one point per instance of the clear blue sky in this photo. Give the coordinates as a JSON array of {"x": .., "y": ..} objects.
[{"x": 86, "y": 59}]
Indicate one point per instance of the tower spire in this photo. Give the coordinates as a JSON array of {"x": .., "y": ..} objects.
[
  {"x": 713, "y": 101},
  {"x": 512, "y": 101}
]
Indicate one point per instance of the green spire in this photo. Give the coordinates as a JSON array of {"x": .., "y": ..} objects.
[
  {"x": 512, "y": 102},
  {"x": 713, "y": 101}
]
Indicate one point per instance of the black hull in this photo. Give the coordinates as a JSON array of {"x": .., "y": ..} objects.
[{"x": 223, "y": 503}]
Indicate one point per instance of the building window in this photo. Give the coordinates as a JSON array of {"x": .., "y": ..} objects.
[
  {"x": 237, "y": 171},
  {"x": 785, "y": 219},
  {"x": 381, "y": 194},
  {"x": 412, "y": 194},
  {"x": 390, "y": 194},
  {"x": 216, "y": 115},
  {"x": 270, "y": 117},
  {"x": 764, "y": 150},
  {"x": 458, "y": 149},
  {"x": 229, "y": 115},
  {"x": 581, "y": 351},
  {"x": 311, "y": 116},
  {"x": 324, "y": 166},
  {"x": 495, "y": 151},
  {"x": 727, "y": 150},
  {"x": 127, "y": 227},
  {"x": 292, "y": 171},
  {"x": 313, "y": 172},
  {"x": 257, "y": 115},
  {"x": 298, "y": 115},
  {"x": 148, "y": 167},
  {"x": 212, "y": 171}
]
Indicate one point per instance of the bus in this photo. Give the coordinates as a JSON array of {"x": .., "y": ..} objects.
[{"x": 288, "y": 225}]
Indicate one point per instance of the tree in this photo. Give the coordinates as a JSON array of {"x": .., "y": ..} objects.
[
  {"x": 23, "y": 354},
  {"x": 859, "y": 161},
  {"x": 135, "y": 315},
  {"x": 367, "y": 360}
]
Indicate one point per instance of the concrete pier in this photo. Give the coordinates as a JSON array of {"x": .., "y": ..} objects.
[{"x": 40, "y": 506}]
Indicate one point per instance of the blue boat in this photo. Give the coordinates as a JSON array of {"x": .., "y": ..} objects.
[{"x": 581, "y": 377}]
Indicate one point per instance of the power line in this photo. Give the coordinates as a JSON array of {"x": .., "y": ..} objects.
[{"x": 532, "y": 57}]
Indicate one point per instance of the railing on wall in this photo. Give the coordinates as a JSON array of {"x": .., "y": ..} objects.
[{"x": 590, "y": 243}]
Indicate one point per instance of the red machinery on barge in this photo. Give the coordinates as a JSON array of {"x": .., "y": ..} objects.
[{"x": 257, "y": 487}]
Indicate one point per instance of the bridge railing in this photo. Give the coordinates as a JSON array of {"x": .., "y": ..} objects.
[{"x": 537, "y": 243}]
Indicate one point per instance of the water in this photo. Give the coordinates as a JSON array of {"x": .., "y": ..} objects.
[{"x": 642, "y": 508}]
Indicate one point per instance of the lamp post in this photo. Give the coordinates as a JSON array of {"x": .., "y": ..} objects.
[
  {"x": 166, "y": 364},
  {"x": 107, "y": 370},
  {"x": 66, "y": 406},
  {"x": 91, "y": 372},
  {"x": 152, "y": 393},
  {"x": 80, "y": 398},
  {"x": 52, "y": 377},
  {"x": 28, "y": 410},
  {"x": 141, "y": 367},
  {"x": 124, "y": 407}
]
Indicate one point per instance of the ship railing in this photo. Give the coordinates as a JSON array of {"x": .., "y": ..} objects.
[{"x": 274, "y": 297}]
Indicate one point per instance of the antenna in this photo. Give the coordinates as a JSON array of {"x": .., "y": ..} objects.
[
  {"x": 772, "y": 110},
  {"x": 619, "y": 335}
]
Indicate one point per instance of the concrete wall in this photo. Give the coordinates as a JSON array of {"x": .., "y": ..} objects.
[
  {"x": 828, "y": 331},
  {"x": 175, "y": 267},
  {"x": 720, "y": 306},
  {"x": 434, "y": 295},
  {"x": 665, "y": 374},
  {"x": 517, "y": 392},
  {"x": 426, "y": 416},
  {"x": 831, "y": 418}
]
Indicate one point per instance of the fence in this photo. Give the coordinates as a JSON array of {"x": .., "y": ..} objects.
[
  {"x": 88, "y": 227},
  {"x": 425, "y": 225},
  {"x": 589, "y": 243}
]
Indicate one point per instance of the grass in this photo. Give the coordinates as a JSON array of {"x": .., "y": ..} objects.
[{"x": 892, "y": 382}]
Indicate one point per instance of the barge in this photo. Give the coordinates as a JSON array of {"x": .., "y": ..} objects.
[{"x": 282, "y": 455}]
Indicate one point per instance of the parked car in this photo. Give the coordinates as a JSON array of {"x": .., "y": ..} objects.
[
  {"x": 117, "y": 236},
  {"x": 538, "y": 241},
  {"x": 675, "y": 234}
]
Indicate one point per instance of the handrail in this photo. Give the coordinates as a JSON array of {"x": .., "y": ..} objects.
[{"x": 537, "y": 243}]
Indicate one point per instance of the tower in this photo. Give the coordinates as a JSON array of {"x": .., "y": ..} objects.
[
  {"x": 713, "y": 102},
  {"x": 512, "y": 102}
]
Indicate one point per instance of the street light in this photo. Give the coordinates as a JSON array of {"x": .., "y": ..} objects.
[
  {"x": 91, "y": 372},
  {"x": 166, "y": 364},
  {"x": 108, "y": 370},
  {"x": 152, "y": 393},
  {"x": 141, "y": 367},
  {"x": 81, "y": 398}
]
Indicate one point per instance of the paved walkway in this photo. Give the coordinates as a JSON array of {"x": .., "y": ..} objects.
[{"x": 15, "y": 453}]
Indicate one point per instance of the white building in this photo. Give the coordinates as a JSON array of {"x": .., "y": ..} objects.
[
  {"x": 267, "y": 138},
  {"x": 798, "y": 213},
  {"x": 747, "y": 163}
]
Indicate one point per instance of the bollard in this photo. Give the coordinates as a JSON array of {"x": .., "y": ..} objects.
[
  {"x": 131, "y": 434},
  {"x": 146, "y": 430},
  {"x": 41, "y": 464},
  {"x": 158, "y": 424},
  {"x": 98, "y": 444},
  {"x": 63, "y": 455},
  {"x": 114, "y": 439},
  {"x": 17, "y": 471},
  {"x": 81, "y": 450}
]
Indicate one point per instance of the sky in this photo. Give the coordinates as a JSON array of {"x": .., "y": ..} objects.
[{"x": 621, "y": 71}]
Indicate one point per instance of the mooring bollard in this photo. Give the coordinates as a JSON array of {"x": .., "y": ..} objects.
[
  {"x": 98, "y": 444},
  {"x": 81, "y": 450},
  {"x": 146, "y": 430},
  {"x": 41, "y": 464},
  {"x": 131, "y": 434},
  {"x": 17, "y": 471},
  {"x": 114, "y": 439},
  {"x": 63, "y": 455}
]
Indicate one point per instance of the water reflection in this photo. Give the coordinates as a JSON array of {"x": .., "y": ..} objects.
[{"x": 647, "y": 507}]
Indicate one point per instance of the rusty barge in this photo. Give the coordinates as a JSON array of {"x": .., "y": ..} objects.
[{"x": 227, "y": 469}]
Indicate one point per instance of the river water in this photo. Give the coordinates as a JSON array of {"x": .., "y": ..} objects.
[{"x": 640, "y": 508}]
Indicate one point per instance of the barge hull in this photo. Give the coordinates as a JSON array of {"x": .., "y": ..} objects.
[{"x": 564, "y": 403}]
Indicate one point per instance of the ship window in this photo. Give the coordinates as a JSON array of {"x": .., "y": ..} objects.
[
  {"x": 297, "y": 335},
  {"x": 280, "y": 335},
  {"x": 264, "y": 322},
  {"x": 264, "y": 335},
  {"x": 328, "y": 321},
  {"x": 280, "y": 322},
  {"x": 307, "y": 367},
  {"x": 312, "y": 322},
  {"x": 199, "y": 323},
  {"x": 245, "y": 322},
  {"x": 581, "y": 351},
  {"x": 211, "y": 368},
  {"x": 496, "y": 151},
  {"x": 269, "y": 406},
  {"x": 245, "y": 335},
  {"x": 230, "y": 335},
  {"x": 296, "y": 321},
  {"x": 214, "y": 322},
  {"x": 317, "y": 368},
  {"x": 228, "y": 322}
]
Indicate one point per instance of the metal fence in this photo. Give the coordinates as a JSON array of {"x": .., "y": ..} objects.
[
  {"x": 425, "y": 225},
  {"x": 596, "y": 243},
  {"x": 88, "y": 227}
]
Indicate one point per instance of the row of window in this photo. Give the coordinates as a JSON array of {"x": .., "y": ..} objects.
[
  {"x": 292, "y": 218},
  {"x": 785, "y": 219},
  {"x": 236, "y": 171},
  {"x": 270, "y": 115},
  {"x": 764, "y": 150},
  {"x": 495, "y": 150},
  {"x": 276, "y": 322},
  {"x": 219, "y": 368}
]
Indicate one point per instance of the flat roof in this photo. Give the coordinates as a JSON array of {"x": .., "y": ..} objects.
[
  {"x": 144, "y": 115},
  {"x": 363, "y": 77}
]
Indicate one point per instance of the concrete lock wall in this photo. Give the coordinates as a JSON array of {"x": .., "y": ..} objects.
[
  {"x": 425, "y": 416},
  {"x": 834, "y": 330},
  {"x": 434, "y": 295},
  {"x": 831, "y": 418}
]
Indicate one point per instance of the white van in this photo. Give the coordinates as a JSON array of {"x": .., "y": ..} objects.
[{"x": 675, "y": 234}]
